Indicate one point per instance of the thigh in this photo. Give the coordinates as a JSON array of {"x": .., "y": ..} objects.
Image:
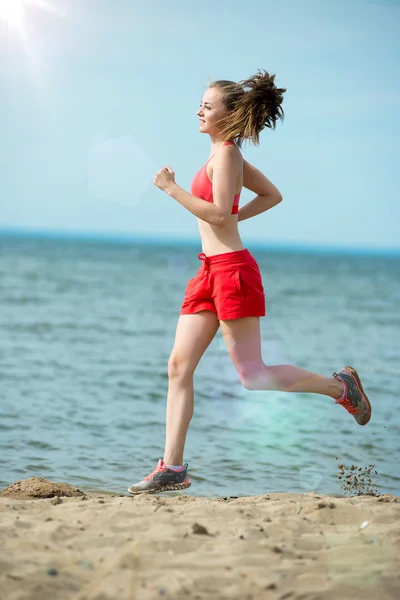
[
  {"x": 194, "y": 333},
  {"x": 243, "y": 341}
]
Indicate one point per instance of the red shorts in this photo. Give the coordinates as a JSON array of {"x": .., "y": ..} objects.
[{"x": 229, "y": 284}]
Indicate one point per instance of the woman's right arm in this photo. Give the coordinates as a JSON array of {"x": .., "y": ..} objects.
[{"x": 267, "y": 194}]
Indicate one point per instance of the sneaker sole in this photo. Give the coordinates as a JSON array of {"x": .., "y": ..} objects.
[
  {"x": 164, "y": 488},
  {"x": 360, "y": 388}
]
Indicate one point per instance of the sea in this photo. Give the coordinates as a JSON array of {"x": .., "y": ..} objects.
[{"x": 87, "y": 325}]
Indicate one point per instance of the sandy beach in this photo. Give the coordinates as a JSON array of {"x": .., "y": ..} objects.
[{"x": 106, "y": 546}]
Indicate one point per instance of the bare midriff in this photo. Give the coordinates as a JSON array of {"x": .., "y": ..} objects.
[{"x": 226, "y": 238}]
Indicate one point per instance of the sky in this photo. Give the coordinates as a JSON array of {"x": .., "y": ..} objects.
[{"x": 97, "y": 96}]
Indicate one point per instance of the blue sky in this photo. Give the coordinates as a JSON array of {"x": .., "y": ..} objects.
[{"x": 99, "y": 95}]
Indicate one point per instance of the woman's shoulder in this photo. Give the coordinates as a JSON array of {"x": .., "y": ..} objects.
[
  {"x": 226, "y": 150},
  {"x": 231, "y": 147}
]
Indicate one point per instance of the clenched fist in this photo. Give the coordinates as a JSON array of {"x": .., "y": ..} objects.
[{"x": 164, "y": 178}]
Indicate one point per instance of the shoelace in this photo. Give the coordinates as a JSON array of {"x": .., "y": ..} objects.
[
  {"x": 348, "y": 406},
  {"x": 156, "y": 470},
  {"x": 346, "y": 402}
]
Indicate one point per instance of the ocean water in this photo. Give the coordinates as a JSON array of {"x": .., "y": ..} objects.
[{"x": 86, "y": 331}]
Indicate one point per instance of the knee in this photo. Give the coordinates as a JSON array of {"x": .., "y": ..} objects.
[
  {"x": 254, "y": 377},
  {"x": 178, "y": 367},
  {"x": 248, "y": 384},
  {"x": 246, "y": 379}
]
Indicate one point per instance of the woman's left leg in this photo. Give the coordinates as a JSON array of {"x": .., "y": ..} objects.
[{"x": 243, "y": 341}]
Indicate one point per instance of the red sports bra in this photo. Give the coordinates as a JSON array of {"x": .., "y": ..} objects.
[{"x": 202, "y": 186}]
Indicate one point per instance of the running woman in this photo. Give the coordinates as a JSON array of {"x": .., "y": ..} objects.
[{"x": 227, "y": 290}]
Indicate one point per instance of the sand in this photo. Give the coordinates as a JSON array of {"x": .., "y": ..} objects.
[{"x": 73, "y": 545}]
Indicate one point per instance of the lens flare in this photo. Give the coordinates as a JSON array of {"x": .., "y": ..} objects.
[{"x": 13, "y": 12}]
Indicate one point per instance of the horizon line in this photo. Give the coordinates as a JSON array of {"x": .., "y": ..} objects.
[{"x": 134, "y": 237}]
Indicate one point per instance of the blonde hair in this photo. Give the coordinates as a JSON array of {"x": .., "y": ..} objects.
[{"x": 251, "y": 110}]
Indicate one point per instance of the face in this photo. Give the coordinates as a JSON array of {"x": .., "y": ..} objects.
[{"x": 211, "y": 111}]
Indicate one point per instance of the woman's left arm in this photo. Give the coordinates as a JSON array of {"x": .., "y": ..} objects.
[
  {"x": 198, "y": 207},
  {"x": 165, "y": 180},
  {"x": 227, "y": 163}
]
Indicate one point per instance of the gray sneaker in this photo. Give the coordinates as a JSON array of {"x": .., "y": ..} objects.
[
  {"x": 162, "y": 479},
  {"x": 353, "y": 398}
]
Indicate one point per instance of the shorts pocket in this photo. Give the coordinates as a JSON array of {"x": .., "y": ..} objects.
[
  {"x": 195, "y": 285},
  {"x": 191, "y": 287},
  {"x": 249, "y": 281}
]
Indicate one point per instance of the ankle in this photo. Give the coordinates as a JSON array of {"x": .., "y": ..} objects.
[
  {"x": 338, "y": 388},
  {"x": 172, "y": 460}
]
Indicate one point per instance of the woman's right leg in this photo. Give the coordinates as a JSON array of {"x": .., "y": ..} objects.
[{"x": 194, "y": 333}]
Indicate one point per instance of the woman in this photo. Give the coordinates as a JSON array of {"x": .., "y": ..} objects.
[{"x": 227, "y": 290}]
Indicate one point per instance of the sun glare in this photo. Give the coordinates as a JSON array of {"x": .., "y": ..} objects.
[
  {"x": 21, "y": 24},
  {"x": 12, "y": 12}
]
